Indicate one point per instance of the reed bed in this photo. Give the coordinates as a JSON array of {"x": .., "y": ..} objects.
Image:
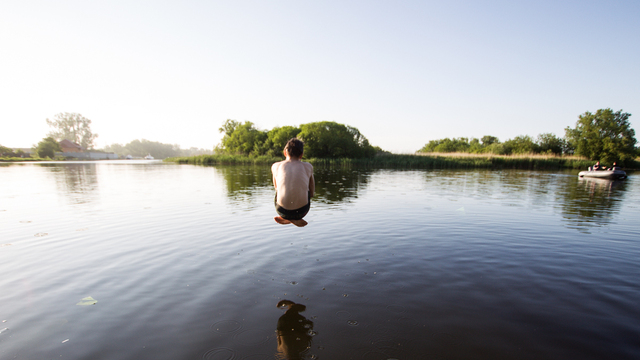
[
  {"x": 417, "y": 161},
  {"x": 18, "y": 159},
  {"x": 224, "y": 159},
  {"x": 458, "y": 162}
]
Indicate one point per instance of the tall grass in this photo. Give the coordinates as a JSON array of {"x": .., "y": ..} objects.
[
  {"x": 223, "y": 159},
  {"x": 19, "y": 159},
  {"x": 419, "y": 161}
]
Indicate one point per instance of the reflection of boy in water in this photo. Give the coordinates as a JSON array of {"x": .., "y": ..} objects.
[
  {"x": 294, "y": 338},
  {"x": 294, "y": 183}
]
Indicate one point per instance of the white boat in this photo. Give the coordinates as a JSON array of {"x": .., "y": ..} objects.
[
  {"x": 149, "y": 157},
  {"x": 604, "y": 174}
]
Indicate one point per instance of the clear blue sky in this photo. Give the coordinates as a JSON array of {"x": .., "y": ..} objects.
[{"x": 402, "y": 72}]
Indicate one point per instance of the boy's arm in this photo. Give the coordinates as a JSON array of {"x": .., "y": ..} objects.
[
  {"x": 312, "y": 186},
  {"x": 274, "y": 169}
]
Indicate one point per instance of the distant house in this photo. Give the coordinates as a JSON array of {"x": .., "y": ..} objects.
[
  {"x": 70, "y": 147},
  {"x": 71, "y": 150}
]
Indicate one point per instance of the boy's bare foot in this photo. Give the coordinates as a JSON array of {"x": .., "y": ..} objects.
[
  {"x": 282, "y": 221},
  {"x": 299, "y": 223}
]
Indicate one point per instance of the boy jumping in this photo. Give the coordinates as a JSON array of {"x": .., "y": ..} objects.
[{"x": 295, "y": 186}]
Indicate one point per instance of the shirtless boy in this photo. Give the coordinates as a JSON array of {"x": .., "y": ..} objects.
[{"x": 294, "y": 183}]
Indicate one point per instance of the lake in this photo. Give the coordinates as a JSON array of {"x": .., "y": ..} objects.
[{"x": 147, "y": 260}]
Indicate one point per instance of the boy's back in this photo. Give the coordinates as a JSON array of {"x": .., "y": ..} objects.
[{"x": 294, "y": 183}]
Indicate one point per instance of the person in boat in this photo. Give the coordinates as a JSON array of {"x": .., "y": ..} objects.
[
  {"x": 596, "y": 167},
  {"x": 295, "y": 185},
  {"x": 615, "y": 167}
]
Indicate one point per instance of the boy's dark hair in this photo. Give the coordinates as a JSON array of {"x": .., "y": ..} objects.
[{"x": 294, "y": 147}]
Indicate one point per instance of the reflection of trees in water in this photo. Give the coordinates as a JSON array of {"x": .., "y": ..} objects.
[
  {"x": 591, "y": 201},
  {"x": 244, "y": 182},
  {"x": 582, "y": 202},
  {"x": 332, "y": 185},
  {"x": 339, "y": 185},
  {"x": 515, "y": 187},
  {"x": 76, "y": 180}
]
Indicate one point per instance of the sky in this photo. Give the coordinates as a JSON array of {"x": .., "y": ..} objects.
[{"x": 402, "y": 72}]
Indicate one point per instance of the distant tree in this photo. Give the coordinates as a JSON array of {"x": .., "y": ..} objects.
[
  {"x": 475, "y": 146},
  {"x": 229, "y": 126},
  {"x": 447, "y": 145},
  {"x": 605, "y": 136},
  {"x": 193, "y": 151},
  {"x": 277, "y": 138},
  {"x": 548, "y": 143},
  {"x": 522, "y": 144},
  {"x": 156, "y": 149},
  {"x": 488, "y": 140},
  {"x": 328, "y": 139},
  {"x": 74, "y": 127},
  {"x": 497, "y": 148},
  {"x": 143, "y": 147},
  {"x": 5, "y": 151},
  {"x": 47, "y": 147},
  {"x": 242, "y": 138},
  {"x": 116, "y": 148}
]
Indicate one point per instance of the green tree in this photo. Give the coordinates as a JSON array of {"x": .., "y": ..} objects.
[
  {"x": 522, "y": 144},
  {"x": 605, "y": 136},
  {"x": 475, "y": 146},
  {"x": 548, "y": 143},
  {"x": 277, "y": 138},
  {"x": 328, "y": 139},
  {"x": 447, "y": 145},
  {"x": 143, "y": 147},
  {"x": 74, "y": 127},
  {"x": 47, "y": 147},
  {"x": 242, "y": 138},
  {"x": 5, "y": 151},
  {"x": 488, "y": 140}
]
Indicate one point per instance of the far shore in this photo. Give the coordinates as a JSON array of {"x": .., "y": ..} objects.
[
  {"x": 417, "y": 161},
  {"x": 398, "y": 161}
]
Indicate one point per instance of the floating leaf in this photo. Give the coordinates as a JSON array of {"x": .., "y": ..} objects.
[{"x": 87, "y": 301}]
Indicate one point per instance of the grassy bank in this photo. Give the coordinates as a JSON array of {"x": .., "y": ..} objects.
[
  {"x": 223, "y": 159},
  {"x": 17, "y": 159},
  {"x": 420, "y": 161}
]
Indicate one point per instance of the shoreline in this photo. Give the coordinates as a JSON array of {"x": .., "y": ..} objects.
[{"x": 415, "y": 161}]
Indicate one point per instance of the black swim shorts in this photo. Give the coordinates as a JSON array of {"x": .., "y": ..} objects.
[{"x": 296, "y": 214}]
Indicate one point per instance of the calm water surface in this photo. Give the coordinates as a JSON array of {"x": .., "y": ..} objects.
[{"x": 186, "y": 262}]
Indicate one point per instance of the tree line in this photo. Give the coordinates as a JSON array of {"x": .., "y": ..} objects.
[
  {"x": 77, "y": 128},
  {"x": 605, "y": 136},
  {"x": 143, "y": 147},
  {"x": 323, "y": 139},
  {"x": 546, "y": 143}
]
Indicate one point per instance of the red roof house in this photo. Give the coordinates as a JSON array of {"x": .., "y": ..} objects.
[{"x": 70, "y": 146}]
